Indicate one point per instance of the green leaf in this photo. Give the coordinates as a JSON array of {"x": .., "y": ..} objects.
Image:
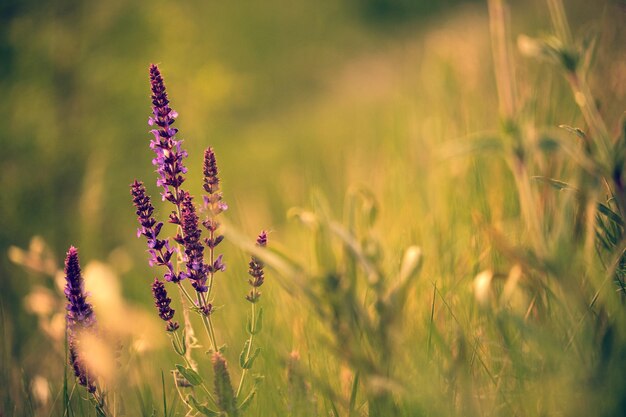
[
  {"x": 247, "y": 401},
  {"x": 201, "y": 407},
  {"x": 616, "y": 218},
  {"x": 355, "y": 388},
  {"x": 258, "y": 323},
  {"x": 559, "y": 185},
  {"x": 248, "y": 364},
  {"x": 242, "y": 355},
  {"x": 190, "y": 375},
  {"x": 574, "y": 130},
  {"x": 176, "y": 347}
]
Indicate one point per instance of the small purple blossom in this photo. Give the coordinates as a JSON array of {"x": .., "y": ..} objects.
[
  {"x": 80, "y": 317},
  {"x": 218, "y": 265},
  {"x": 169, "y": 155},
  {"x": 206, "y": 309},
  {"x": 162, "y": 303},
  {"x": 159, "y": 249},
  {"x": 194, "y": 251},
  {"x": 256, "y": 271}
]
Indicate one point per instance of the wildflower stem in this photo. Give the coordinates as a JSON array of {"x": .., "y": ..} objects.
[
  {"x": 183, "y": 290},
  {"x": 206, "y": 320},
  {"x": 188, "y": 363},
  {"x": 249, "y": 351}
]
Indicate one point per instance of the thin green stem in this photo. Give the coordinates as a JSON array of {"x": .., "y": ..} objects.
[
  {"x": 183, "y": 290},
  {"x": 249, "y": 350},
  {"x": 188, "y": 363},
  {"x": 206, "y": 320},
  {"x": 211, "y": 260}
]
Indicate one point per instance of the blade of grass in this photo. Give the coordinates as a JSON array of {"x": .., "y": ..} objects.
[{"x": 164, "y": 396}]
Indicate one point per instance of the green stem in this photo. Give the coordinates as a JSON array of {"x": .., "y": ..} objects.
[
  {"x": 203, "y": 385},
  {"x": 206, "y": 320},
  {"x": 249, "y": 351}
]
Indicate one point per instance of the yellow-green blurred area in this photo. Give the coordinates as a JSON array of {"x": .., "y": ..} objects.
[{"x": 295, "y": 97}]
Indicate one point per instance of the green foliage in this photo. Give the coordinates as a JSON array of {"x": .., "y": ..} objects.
[{"x": 513, "y": 302}]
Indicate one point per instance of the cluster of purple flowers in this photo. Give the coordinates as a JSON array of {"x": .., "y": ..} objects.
[
  {"x": 171, "y": 170},
  {"x": 80, "y": 317},
  {"x": 256, "y": 272}
]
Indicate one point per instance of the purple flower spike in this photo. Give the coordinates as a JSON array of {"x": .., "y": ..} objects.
[
  {"x": 169, "y": 155},
  {"x": 213, "y": 201},
  {"x": 194, "y": 251},
  {"x": 211, "y": 180},
  {"x": 159, "y": 249},
  {"x": 79, "y": 312},
  {"x": 80, "y": 317},
  {"x": 213, "y": 206},
  {"x": 256, "y": 271},
  {"x": 162, "y": 303}
]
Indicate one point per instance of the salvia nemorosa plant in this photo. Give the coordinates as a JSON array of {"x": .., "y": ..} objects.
[
  {"x": 187, "y": 255},
  {"x": 81, "y": 320}
]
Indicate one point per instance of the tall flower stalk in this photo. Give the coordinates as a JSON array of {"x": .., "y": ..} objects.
[
  {"x": 170, "y": 168},
  {"x": 196, "y": 257},
  {"x": 257, "y": 278},
  {"x": 80, "y": 320},
  {"x": 213, "y": 205}
]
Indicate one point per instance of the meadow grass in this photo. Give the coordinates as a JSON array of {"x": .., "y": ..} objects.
[{"x": 457, "y": 254}]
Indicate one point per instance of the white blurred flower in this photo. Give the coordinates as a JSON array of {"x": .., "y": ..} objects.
[
  {"x": 482, "y": 287},
  {"x": 40, "y": 389}
]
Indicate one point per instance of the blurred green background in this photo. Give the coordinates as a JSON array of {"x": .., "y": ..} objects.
[{"x": 293, "y": 96}]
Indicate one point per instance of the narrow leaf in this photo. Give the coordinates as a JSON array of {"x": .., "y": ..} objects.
[
  {"x": 244, "y": 352},
  {"x": 574, "y": 130},
  {"x": 604, "y": 209},
  {"x": 355, "y": 387},
  {"x": 247, "y": 401},
  {"x": 248, "y": 364},
  {"x": 190, "y": 375},
  {"x": 201, "y": 407},
  {"x": 559, "y": 185}
]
